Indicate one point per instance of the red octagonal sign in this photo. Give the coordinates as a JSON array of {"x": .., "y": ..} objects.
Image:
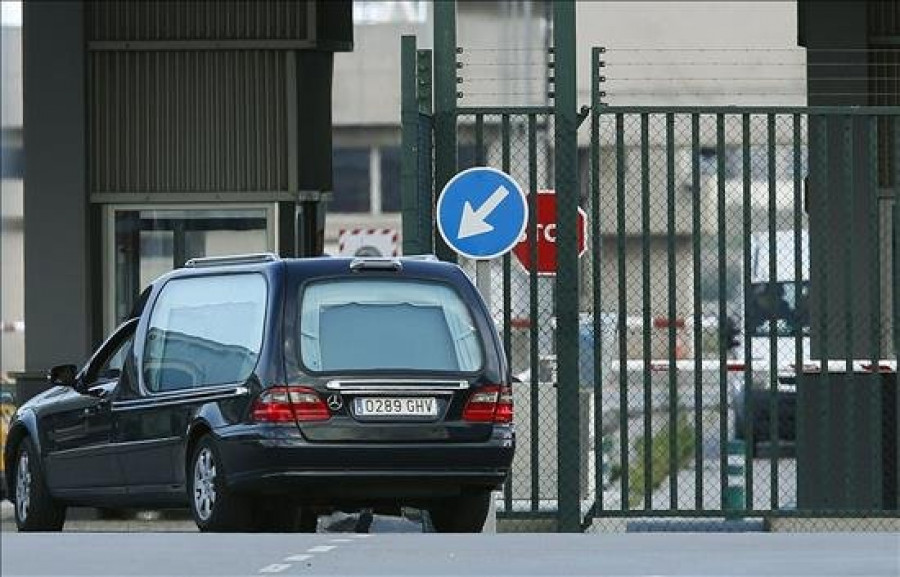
[{"x": 546, "y": 235}]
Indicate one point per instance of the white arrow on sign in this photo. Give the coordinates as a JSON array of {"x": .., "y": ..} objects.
[{"x": 472, "y": 222}]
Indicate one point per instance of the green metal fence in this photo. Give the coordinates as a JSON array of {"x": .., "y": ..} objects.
[
  {"x": 736, "y": 328},
  {"x": 745, "y": 256}
]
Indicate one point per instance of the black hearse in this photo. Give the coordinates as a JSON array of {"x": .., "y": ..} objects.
[{"x": 262, "y": 392}]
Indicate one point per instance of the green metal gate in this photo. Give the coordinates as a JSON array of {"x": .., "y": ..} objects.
[
  {"x": 748, "y": 256},
  {"x": 737, "y": 258}
]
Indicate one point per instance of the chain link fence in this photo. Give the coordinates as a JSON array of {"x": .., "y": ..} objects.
[
  {"x": 522, "y": 305},
  {"x": 717, "y": 331},
  {"x": 698, "y": 307},
  {"x": 737, "y": 328}
]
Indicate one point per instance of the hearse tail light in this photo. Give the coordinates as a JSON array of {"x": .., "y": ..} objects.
[
  {"x": 504, "y": 412},
  {"x": 288, "y": 404},
  {"x": 490, "y": 404}
]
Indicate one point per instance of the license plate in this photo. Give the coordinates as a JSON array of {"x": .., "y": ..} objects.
[{"x": 395, "y": 407}]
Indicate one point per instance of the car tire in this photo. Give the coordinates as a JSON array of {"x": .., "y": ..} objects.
[
  {"x": 463, "y": 514},
  {"x": 215, "y": 508},
  {"x": 35, "y": 509}
]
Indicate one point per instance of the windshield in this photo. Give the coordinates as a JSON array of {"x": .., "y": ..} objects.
[
  {"x": 372, "y": 324},
  {"x": 778, "y": 300}
]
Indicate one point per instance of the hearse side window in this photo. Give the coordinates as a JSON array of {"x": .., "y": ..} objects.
[
  {"x": 357, "y": 325},
  {"x": 112, "y": 367},
  {"x": 204, "y": 331}
]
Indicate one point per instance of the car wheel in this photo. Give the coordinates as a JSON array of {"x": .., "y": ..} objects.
[
  {"x": 463, "y": 514},
  {"x": 215, "y": 508},
  {"x": 35, "y": 509}
]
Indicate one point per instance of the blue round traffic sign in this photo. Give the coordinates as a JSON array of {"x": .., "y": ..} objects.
[{"x": 481, "y": 213}]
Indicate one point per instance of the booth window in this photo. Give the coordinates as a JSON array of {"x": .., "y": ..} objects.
[
  {"x": 390, "y": 179},
  {"x": 149, "y": 242},
  {"x": 351, "y": 169}
]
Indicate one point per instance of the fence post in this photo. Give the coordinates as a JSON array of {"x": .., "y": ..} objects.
[
  {"x": 895, "y": 238},
  {"x": 409, "y": 116},
  {"x": 566, "y": 184},
  {"x": 735, "y": 496},
  {"x": 444, "y": 105},
  {"x": 425, "y": 135},
  {"x": 602, "y": 445}
]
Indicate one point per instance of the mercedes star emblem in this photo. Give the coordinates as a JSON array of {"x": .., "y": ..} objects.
[{"x": 335, "y": 402}]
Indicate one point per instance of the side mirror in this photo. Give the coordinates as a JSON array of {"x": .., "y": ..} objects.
[{"x": 63, "y": 375}]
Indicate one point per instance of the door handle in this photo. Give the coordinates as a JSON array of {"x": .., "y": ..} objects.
[{"x": 94, "y": 409}]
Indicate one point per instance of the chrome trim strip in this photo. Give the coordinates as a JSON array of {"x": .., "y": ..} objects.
[
  {"x": 197, "y": 392},
  {"x": 156, "y": 401},
  {"x": 406, "y": 385},
  {"x": 142, "y": 442},
  {"x": 114, "y": 447},
  {"x": 394, "y": 390}
]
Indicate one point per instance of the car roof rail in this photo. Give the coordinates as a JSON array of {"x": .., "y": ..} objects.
[
  {"x": 207, "y": 261},
  {"x": 375, "y": 263}
]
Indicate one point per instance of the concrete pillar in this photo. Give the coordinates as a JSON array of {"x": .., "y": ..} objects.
[{"x": 58, "y": 285}]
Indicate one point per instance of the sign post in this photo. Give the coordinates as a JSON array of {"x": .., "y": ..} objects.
[
  {"x": 483, "y": 281},
  {"x": 481, "y": 214}
]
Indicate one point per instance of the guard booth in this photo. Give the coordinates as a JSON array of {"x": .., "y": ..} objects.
[{"x": 163, "y": 131}]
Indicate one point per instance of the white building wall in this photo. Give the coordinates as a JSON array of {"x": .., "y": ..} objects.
[
  {"x": 658, "y": 53},
  {"x": 11, "y": 64},
  {"x": 12, "y": 298},
  {"x": 697, "y": 53}
]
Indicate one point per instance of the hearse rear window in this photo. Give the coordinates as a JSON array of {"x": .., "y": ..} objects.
[{"x": 374, "y": 324}]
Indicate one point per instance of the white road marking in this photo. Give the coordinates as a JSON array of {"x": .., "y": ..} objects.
[
  {"x": 362, "y": 535},
  {"x": 279, "y": 567}
]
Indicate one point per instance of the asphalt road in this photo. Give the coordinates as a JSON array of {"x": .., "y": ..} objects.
[
  {"x": 88, "y": 520},
  {"x": 172, "y": 554}
]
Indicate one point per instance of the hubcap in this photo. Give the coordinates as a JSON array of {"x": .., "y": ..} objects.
[
  {"x": 204, "y": 484},
  {"x": 23, "y": 487}
]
